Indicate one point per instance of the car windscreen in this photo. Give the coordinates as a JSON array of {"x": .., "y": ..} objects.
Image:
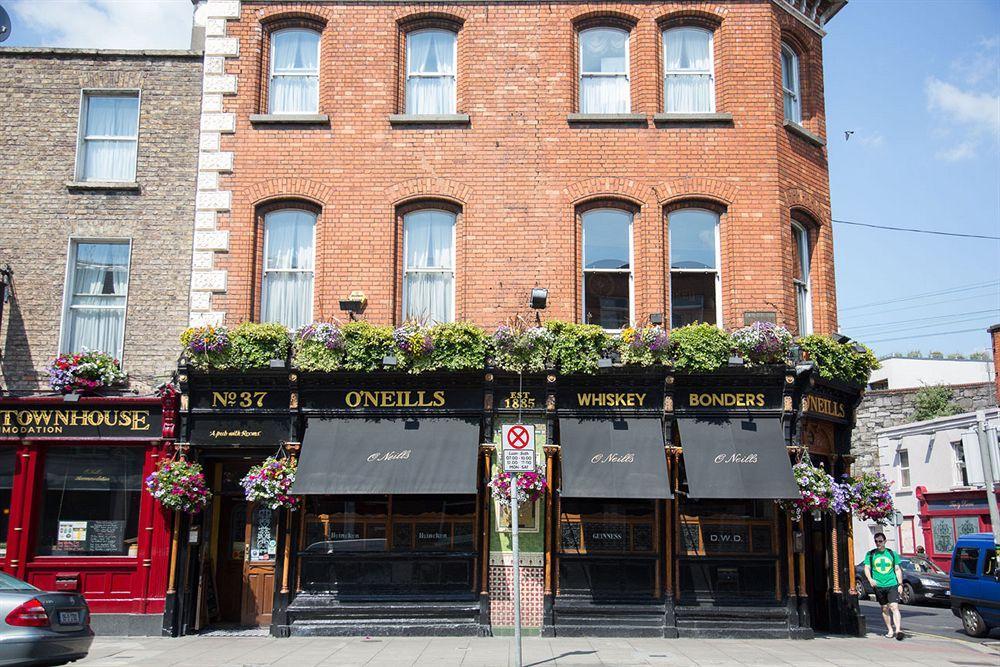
[{"x": 9, "y": 583}]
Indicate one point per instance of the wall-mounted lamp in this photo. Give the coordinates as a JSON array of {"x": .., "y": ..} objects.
[
  {"x": 859, "y": 348},
  {"x": 355, "y": 303},
  {"x": 389, "y": 360},
  {"x": 735, "y": 361},
  {"x": 6, "y": 280},
  {"x": 538, "y": 300},
  {"x": 841, "y": 338}
]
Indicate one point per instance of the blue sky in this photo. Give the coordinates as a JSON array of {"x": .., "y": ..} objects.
[{"x": 917, "y": 82}]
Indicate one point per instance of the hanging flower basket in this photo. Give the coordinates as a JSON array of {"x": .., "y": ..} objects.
[
  {"x": 270, "y": 483},
  {"x": 645, "y": 346},
  {"x": 179, "y": 485},
  {"x": 520, "y": 348},
  {"x": 762, "y": 343},
  {"x": 85, "y": 372},
  {"x": 871, "y": 497},
  {"x": 816, "y": 490},
  {"x": 530, "y": 486}
]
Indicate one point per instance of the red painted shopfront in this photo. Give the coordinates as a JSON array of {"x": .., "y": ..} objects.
[
  {"x": 944, "y": 517},
  {"x": 75, "y": 516}
]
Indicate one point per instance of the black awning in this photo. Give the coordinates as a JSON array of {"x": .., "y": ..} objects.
[
  {"x": 376, "y": 456},
  {"x": 613, "y": 458},
  {"x": 738, "y": 458}
]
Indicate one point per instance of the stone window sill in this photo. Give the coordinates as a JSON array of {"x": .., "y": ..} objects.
[
  {"x": 402, "y": 119},
  {"x": 693, "y": 118},
  {"x": 606, "y": 119},
  {"x": 102, "y": 186},
  {"x": 803, "y": 133},
  {"x": 289, "y": 119}
]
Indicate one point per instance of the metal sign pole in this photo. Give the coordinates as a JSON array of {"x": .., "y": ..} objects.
[
  {"x": 986, "y": 454},
  {"x": 517, "y": 570}
]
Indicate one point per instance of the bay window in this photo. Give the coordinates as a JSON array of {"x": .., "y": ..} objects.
[
  {"x": 90, "y": 501},
  {"x": 294, "y": 80},
  {"x": 800, "y": 278},
  {"x": 94, "y": 315},
  {"x": 604, "y": 65},
  {"x": 607, "y": 267},
  {"x": 695, "y": 284},
  {"x": 790, "y": 83},
  {"x": 109, "y": 137},
  {"x": 688, "y": 79},
  {"x": 289, "y": 257},
  {"x": 431, "y": 57},
  {"x": 429, "y": 265}
]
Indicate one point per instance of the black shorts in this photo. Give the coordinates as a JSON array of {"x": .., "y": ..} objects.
[{"x": 887, "y": 595}]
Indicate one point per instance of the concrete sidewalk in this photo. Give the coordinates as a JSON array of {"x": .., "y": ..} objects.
[{"x": 498, "y": 652}]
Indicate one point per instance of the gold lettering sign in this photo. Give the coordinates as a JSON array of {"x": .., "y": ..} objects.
[
  {"x": 392, "y": 455},
  {"x": 41, "y": 421},
  {"x": 727, "y": 400},
  {"x": 736, "y": 458},
  {"x": 238, "y": 399},
  {"x": 610, "y": 400},
  {"x": 394, "y": 399},
  {"x": 236, "y": 433},
  {"x": 824, "y": 406},
  {"x": 519, "y": 400},
  {"x": 613, "y": 457}
]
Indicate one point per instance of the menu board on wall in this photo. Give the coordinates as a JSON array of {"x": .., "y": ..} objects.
[
  {"x": 91, "y": 536},
  {"x": 72, "y": 536}
]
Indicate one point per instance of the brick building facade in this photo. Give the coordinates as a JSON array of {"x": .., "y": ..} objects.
[{"x": 98, "y": 188}]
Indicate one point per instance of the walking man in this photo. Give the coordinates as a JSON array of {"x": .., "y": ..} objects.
[{"x": 883, "y": 573}]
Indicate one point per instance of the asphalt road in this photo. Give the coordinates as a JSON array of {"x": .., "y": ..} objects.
[{"x": 924, "y": 618}]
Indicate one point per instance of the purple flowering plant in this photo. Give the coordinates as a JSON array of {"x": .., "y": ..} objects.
[
  {"x": 207, "y": 346},
  {"x": 644, "y": 346},
  {"x": 85, "y": 372},
  {"x": 414, "y": 345},
  {"x": 871, "y": 497},
  {"x": 179, "y": 485},
  {"x": 816, "y": 491},
  {"x": 762, "y": 343},
  {"x": 521, "y": 348},
  {"x": 530, "y": 485},
  {"x": 271, "y": 482}
]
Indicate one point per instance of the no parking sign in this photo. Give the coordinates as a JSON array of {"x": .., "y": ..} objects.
[{"x": 518, "y": 446}]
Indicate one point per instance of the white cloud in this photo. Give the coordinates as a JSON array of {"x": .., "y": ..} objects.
[
  {"x": 961, "y": 151},
  {"x": 106, "y": 24},
  {"x": 969, "y": 118},
  {"x": 872, "y": 140}
]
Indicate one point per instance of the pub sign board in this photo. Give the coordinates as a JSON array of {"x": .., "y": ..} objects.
[
  {"x": 715, "y": 399},
  {"x": 825, "y": 407},
  {"x": 617, "y": 398},
  {"x": 241, "y": 399},
  {"x": 73, "y": 420},
  {"x": 388, "y": 399},
  {"x": 227, "y": 430}
]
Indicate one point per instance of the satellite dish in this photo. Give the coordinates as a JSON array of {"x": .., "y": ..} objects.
[{"x": 4, "y": 25}]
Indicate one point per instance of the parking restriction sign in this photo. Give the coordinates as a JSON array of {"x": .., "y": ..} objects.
[{"x": 518, "y": 447}]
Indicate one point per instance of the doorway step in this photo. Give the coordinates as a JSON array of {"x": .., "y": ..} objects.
[
  {"x": 583, "y": 616},
  {"x": 733, "y": 622},
  {"x": 312, "y": 615}
]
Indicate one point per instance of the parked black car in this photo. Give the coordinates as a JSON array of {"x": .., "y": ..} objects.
[{"x": 923, "y": 581}]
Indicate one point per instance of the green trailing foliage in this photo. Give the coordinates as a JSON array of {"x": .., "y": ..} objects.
[
  {"x": 699, "y": 348},
  {"x": 365, "y": 345},
  {"x": 458, "y": 346},
  {"x": 254, "y": 345},
  {"x": 839, "y": 361},
  {"x": 578, "y": 347},
  {"x": 933, "y": 401}
]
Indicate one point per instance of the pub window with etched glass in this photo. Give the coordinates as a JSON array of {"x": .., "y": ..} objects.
[
  {"x": 607, "y": 267},
  {"x": 431, "y": 57},
  {"x": 293, "y": 87},
  {"x": 695, "y": 283},
  {"x": 604, "y": 75},
  {"x": 800, "y": 278},
  {"x": 90, "y": 501},
  {"x": 96, "y": 293},
  {"x": 429, "y": 265},
  {"x": 109, "y": 137},
  {"x": 289, "y": 261},
  {"x": 688, "y": 77}
]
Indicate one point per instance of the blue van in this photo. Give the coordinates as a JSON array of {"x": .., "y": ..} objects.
[{"x": 975, "y": 584}]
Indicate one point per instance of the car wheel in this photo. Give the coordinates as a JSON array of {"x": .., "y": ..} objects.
[
  {"x": 973, "y": 623},
  {"x": 907, "y": 597}
]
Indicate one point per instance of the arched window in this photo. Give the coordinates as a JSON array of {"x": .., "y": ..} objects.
[
  {"x": 688, "y": 78},
  {"x": 800, "y": 278},
  {"x": 790, "y": 83},
  {"x": 607, "y": 267},
  {"x": 604, "y": 80},
  {"x": 431, "y": 56},
  {"x": 429, "y": 265},
  {"x": 695, "y": 286},
  {"x": 294, "y": 81},
  {"x": 289, "y": 260}
]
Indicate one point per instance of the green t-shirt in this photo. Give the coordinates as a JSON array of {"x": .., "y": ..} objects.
[{"x": 883, "y": 566}]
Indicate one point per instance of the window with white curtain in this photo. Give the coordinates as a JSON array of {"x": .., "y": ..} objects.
[
  {"x": 109, "y": 136},
  {"x": 430, "y": 71},
  {"x": 695, "y": 284},
  {"x": 800, "y": 278},
  {"x": 607, "y": 267},
  {"x": 604, "y": 80},
  {"x": 688, "y": 79},
  {"x": 790, "y": 83},
  {"x": 94, "y": 317},
  {"x": 294, "y": 83},
  {"x": 289, "y": 260},
  {"x": 429, "y": 265}
]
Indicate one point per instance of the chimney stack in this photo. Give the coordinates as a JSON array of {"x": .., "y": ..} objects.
[{"x": 995, "y": 338}]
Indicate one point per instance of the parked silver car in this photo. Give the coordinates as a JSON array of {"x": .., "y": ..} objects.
[{"x": 39, "y": 628}]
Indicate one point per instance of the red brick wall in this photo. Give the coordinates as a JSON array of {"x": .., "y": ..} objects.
[
  {"x": 995, "y": 340},
  {"x": 519, "y": 169}
]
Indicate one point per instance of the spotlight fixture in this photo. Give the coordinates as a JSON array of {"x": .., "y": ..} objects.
[
  {"x": 389, "y": 360},
  {"x": 735, "y": 361},
  {"x": 604, "y": 362},
  {"x": 859, "y": 348},
  {"x": 539, "y": 298},
  {"x": 841, "y": 338},
  {"x": 656, "y": 319},
  {"x": 355, "y": 303}
]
